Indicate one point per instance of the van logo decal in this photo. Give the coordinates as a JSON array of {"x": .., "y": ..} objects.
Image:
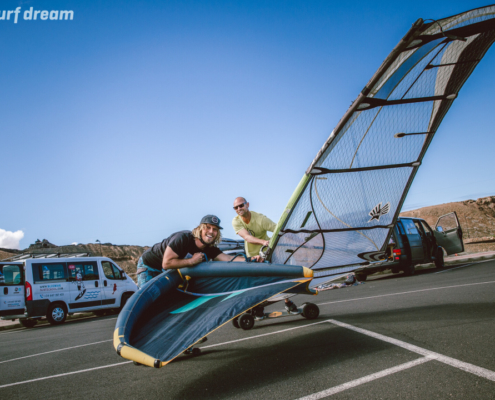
[{"x": 379, "y": 211}]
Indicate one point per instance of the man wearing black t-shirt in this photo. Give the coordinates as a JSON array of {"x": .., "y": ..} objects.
[{"x": 183, "y": 249}]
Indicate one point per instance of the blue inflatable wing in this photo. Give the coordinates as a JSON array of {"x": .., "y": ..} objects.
[{"x": 178, "y": 308}]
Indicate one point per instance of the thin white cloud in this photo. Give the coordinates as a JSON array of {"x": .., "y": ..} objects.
[{"x": 10, "y": 240}]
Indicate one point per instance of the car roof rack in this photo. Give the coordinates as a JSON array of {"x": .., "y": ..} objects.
[{"x": 23, "y": 256}]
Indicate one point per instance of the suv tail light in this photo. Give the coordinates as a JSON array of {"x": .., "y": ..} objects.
[
  {"x": 397, "y": 253},
  {"x": 29, "y": 291}
]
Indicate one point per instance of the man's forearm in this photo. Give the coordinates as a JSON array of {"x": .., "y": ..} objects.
[
  {"x": 176, "y": 263},
  {"x": 255, "y": 240}
]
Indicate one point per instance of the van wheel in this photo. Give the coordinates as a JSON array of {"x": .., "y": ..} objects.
[
  {"x": 439, "y": 259},
  {"x": 56, "y": 314},
  {"x": 409, "y": 270},
  {"x": 27, "y": 322}
]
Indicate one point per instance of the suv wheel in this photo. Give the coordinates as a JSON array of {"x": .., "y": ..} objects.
[
  {"x": 439, "y": 259},
  {"x": 56, "y": 314}
]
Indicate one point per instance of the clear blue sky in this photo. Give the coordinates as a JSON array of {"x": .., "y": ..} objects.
[{"x": 136, "y": 118}]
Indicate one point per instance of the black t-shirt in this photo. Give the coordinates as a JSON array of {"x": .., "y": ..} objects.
[{"x": 182, "y": 243}]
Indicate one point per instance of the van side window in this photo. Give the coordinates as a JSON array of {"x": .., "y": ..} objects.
[
  {"x": 10, "y": 275},
  {"x": 116, "y": 272},
  {"x": 107, "y": 269},
  {"x": 410, "y": 227},
  {"x": 86, "y": 271},
  {"x": 49, "y": 272},
  {"x": 110, "y": 270}
]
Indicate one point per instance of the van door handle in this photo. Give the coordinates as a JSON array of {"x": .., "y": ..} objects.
[
  {"x": 96, "y": 283},
  {"x": 105, "y": 283},
  {"x": 5, "y": 290}
]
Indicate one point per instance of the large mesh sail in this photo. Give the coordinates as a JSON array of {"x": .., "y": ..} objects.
[{"x": 345, "y": 207}]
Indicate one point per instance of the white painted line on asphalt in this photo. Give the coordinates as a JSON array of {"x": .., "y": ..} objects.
[
  {"x": 67, "y": 373},
  {"x": 264, "y": 334},
  {"x": 365, "y": 379},
  {"x": 55, "y": 351},
  {"x": 401, "y": 293},
  {"x": 473, "y": 369}
]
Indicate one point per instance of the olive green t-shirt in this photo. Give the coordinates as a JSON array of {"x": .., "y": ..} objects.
[{"x": 257, "y": 227}]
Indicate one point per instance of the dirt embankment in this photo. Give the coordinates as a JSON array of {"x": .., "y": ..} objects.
[{"x": 477, "y": 218}]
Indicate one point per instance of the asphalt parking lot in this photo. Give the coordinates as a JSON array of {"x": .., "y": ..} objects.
[{"x": 426, "y": 336}]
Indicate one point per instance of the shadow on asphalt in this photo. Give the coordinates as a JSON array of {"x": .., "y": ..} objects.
[
  {"x": 251, "y": 367},
  {"x": 321, "y": 349}
]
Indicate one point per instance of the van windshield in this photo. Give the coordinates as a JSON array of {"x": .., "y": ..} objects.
[{"x": 10, "y": 274}]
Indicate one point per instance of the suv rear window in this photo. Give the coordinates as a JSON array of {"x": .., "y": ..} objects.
[{"x": 410, "y": 227}]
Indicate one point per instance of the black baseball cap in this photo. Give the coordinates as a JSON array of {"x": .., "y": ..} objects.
[{"x": 212, "y": 220}]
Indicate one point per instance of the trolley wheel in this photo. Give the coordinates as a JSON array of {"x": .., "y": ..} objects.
[
  {"x": 235, "y": 322},
  {"x": 310, "y": 311},
  {"x": 246, "y": 321}
]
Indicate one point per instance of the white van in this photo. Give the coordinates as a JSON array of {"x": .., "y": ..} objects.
[{"x": 56, "y": 287}]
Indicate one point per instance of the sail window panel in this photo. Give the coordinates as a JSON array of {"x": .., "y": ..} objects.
[
  {"x": 300, "y": 212},
  {"x": 409, "y": 64},
  {"x": 403, "y": 89},
  {"x": 453, "y": 51},
  {"x": 370, "y": 141},
  {"x": 343, "y": 248},
  {"x": 298, "y": 249},
  {"x": 344, "y": 201},
  {"x": 402, "y": 58}
]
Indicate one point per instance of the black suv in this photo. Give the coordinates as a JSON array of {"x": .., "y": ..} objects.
[{"x": 413, "y": 242}]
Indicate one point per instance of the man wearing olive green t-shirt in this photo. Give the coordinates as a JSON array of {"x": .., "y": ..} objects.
[{"x": 252, "y": 227}]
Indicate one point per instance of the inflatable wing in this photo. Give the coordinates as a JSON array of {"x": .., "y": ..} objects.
[{"x": 178, "y": 308}]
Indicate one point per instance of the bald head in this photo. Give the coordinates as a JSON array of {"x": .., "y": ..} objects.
[{"x": 241, "y": 206}]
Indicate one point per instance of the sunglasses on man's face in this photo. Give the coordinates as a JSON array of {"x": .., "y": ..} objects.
[{"x": 239, "y": 206}]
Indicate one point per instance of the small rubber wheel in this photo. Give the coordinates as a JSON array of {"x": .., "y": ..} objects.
[
  {"x": 310, "y": 311},
  {"x": 56, "y": 314},
  {"x": 28, "y": 322},
  {"x": 246, "y": 321},
  {"x": 235, "y": 322},
  {"x": 439, "y": 258}
]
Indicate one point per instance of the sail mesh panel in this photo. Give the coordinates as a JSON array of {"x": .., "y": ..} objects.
[{"x": 391, "y": 124}]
